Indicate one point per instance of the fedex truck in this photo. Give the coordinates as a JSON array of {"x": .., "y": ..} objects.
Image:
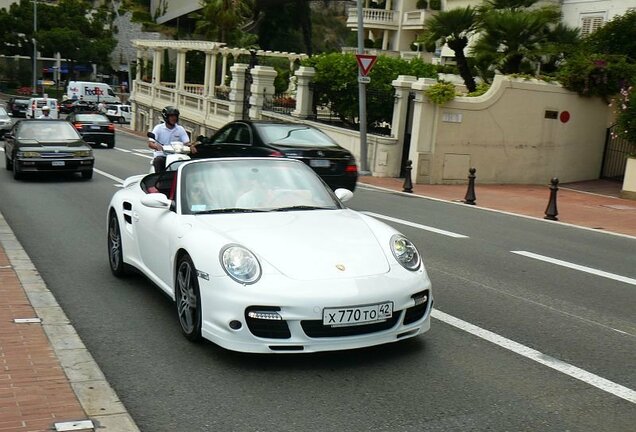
[{"x": 91, "y": 92}]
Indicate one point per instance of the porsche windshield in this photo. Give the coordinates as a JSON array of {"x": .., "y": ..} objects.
[
  {"x": 46, "y": 130},
  {"x": 249, "y": 185}
]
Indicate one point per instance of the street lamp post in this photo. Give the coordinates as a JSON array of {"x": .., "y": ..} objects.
[{"x": 35, "y": 48}]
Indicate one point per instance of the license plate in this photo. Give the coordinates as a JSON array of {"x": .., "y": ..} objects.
[
  {"x": 58, "y": 163},
  {"x": 355, "y": 315},
  {"x": 95, "y": 127},
  {"x": 319, "y": 163}
]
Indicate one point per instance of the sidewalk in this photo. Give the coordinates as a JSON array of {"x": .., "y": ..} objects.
[
  {"x": 593, "y": 204},
  {"x": 48, "y": 379}
]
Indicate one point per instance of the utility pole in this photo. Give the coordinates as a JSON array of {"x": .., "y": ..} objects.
[
  {"x": 362, "y": 92},
  {"x": 34, "y": 91}
]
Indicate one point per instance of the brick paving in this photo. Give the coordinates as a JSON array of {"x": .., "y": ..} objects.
[
  {"x": 34, "y": 390},
  {"x": 584, "y": 206}
]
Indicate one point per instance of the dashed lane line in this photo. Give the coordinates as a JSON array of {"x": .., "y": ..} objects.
[
  {"x": 578, "y": 267},
  {"x": 539, "y": 357},
  {"x": 416, "y": 225},
  {"x": 110, "y": 176}
]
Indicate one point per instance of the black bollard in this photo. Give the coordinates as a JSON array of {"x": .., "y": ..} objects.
[
  {"x": 470, "y": 192},
  {"x": 408, "y": 183},
  {"x": 551, "y": 211}
]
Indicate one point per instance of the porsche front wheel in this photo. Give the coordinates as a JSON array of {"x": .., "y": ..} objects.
[
  {"x": 188, "y": 299},
  {"x": 115, "y": 253}
]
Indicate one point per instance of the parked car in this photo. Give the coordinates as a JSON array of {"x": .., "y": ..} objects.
[
  {"x": 34, "y": 110},
  {"x": 5, "y": 122},
  {"x": 95, "y": 128},
  {"x": 282, "y": 265},
  {"x": 119, "y": 113},
  {"x": 17, "y": 107},
  {"x": 334, "y": 164},
  {"x": 47, "y": 146}
]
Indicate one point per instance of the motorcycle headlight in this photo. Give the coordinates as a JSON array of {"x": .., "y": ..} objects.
[
  {"x": 83, "y": 153},
  {"x": 240, "y": 264},
  {"x": 405, "y": 252}
]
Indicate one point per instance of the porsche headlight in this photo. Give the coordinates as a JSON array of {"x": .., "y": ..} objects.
[
  {"x": 240, "y": 264},
  {"x": 82, "y": 153},
  {"x": 405, "y": 252}
]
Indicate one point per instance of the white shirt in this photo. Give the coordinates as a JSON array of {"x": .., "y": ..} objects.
[
  {"x": 165, "y": 135},
  {"x": 45, "y": 117}
]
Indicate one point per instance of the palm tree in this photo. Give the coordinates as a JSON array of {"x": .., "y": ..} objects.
[
  {"x": 514, "y": 39},
  {"x": 454, "y": 27},
  {"x": 222, "y": 20}
]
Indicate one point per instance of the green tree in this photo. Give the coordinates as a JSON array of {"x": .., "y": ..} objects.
[
  {"x": 224, "y": 20},
  {"x": 513, "y": 40},
  {"x": 454, "y": 27},
  {"x": 336, "y": 84},
  {"x": 616, "y": 37}
]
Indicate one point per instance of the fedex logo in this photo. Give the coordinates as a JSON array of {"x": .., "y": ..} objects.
[
  {"x": 74, "y": 89},
  {"x": 95, "y": 91}
]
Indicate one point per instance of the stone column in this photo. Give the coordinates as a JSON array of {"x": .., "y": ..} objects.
[
  {"x": 385, "y": 40},
  {"x": 262, "y": 89},
  {"x": 304, "y": 93},
  {"x": 424, "y": 132},
  {"x": 237, "y": 91},
  {"x": 140, "y": 64},
  {"x": 224, "y": 68},
  {"x": 180, "y": 75},
  {"x": 210, "y": 74},
  {"x": 402, "y": 87},
  {"x": 156, "y": 66}
]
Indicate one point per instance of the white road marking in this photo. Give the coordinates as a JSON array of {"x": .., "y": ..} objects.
[
  {"x": 122, "y": 150},
  {"x": 110, "y": 176},
  {"x": 578, "y": 267},
  {"x": 415, "y": 225},
  {"x": 539, "y": 357},
  {"x": 136, "y": 152},
  {"x": 364, "y": 186}
]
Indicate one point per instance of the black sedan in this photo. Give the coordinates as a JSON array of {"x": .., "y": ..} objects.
[
  {"x": 95, "y": 128},
  {"x": 18, "y": 107},
  {"x": 47, "y": 146},
  {"x": 334, "y": 164}
]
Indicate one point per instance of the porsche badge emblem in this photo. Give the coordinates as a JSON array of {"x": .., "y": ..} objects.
[
  {"x": 340, "y": 267},
  {"x": 320, "y": 153}
]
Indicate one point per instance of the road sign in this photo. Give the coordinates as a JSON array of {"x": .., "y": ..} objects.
[
  {"x": 364, "y": 79},
  {"x": 365, "y": 63}
]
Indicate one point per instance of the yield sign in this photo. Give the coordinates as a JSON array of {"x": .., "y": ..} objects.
[{"x": 365, "y": 63}]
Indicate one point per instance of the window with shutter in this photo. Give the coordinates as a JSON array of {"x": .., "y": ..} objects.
[{"x": 590, "y": 23}]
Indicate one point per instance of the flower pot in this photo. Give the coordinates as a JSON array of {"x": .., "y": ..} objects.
[{"x": 629, "y": 182}]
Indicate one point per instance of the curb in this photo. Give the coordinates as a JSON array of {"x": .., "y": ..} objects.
[{"x": 97, "y": 398}]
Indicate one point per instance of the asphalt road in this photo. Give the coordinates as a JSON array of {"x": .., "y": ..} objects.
[{"x": 455, "y": 377}]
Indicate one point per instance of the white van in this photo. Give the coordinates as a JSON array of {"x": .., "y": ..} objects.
[
  {"x": 34, "y": 110},
  {"x": 119, "y": 113},
  {"x": 91, "y": 92}
]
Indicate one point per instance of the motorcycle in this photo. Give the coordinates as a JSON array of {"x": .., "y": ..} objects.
[{"x": 175, "y": 151}]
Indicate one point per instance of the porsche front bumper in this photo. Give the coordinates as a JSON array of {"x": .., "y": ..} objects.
[{"x": 300, "y": 304}]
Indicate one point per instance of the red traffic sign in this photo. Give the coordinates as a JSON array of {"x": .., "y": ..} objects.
[{"x": 365, "y": 63}]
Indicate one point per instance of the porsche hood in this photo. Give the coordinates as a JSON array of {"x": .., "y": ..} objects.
[{"x": 306, "y": 245}]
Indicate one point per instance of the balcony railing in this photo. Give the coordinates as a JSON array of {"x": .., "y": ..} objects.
[{"x": 373, "y": 17}]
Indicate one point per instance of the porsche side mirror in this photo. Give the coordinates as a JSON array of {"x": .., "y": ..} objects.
[
  {"x": 156, "y": 200},
  {"x": 343, "y": 194},
  {"x": 8, "y": 135}
]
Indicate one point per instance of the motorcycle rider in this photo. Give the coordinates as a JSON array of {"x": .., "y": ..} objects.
[{"x": 167, "y": 132}]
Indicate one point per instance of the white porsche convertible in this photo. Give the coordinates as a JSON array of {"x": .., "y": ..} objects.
[{"x": 260, "y": 255}]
